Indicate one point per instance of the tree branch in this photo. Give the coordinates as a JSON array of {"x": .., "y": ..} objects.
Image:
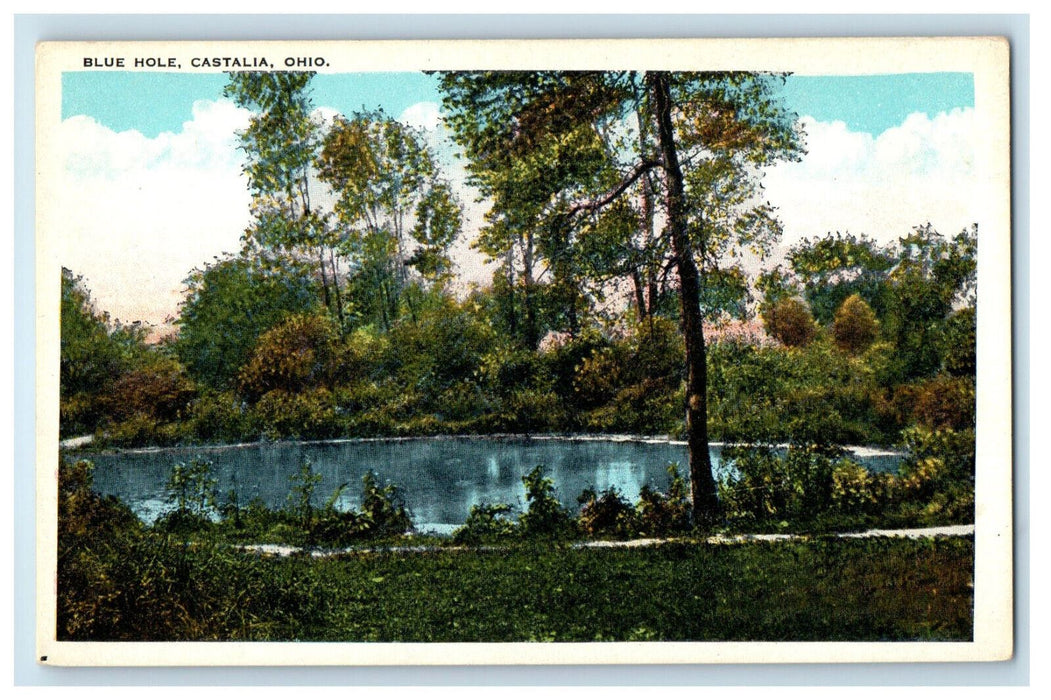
[{"x": 638, "y": 171}]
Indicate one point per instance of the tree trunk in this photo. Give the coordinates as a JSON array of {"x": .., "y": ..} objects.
[
  {"x": 532, "y": 333},
  {"x": 337, "y": 292},
  {"x": 640, "y": 293},
  {"x": 645, "y": 224},
  {"x": 702, "y": 482}
]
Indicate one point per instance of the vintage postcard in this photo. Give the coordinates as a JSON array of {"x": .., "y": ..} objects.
[{"x": 523, "y": 352}]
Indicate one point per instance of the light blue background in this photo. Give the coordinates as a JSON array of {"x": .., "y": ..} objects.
[{"x": 155, "y": 102}]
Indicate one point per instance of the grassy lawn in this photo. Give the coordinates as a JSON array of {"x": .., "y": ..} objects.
[{"x": 824, "y": 589}]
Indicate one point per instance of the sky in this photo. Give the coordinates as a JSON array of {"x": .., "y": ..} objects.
[{"x": 153, "y": 186}]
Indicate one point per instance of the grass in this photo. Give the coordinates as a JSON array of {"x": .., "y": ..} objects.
[
  {"x": 185, "y": 579},
  {"x": 817, "y": 590}
]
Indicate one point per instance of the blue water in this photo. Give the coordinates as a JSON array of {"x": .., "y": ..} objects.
[{"x": 440, "y": 478}]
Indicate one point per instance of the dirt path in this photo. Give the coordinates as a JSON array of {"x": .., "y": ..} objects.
[
  {"x": 281, "y": 550},
  {"x": 70, "y": 443}
]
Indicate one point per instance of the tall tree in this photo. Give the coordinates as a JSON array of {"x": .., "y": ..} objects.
[
  {"x": 394, "y": 210},
  {"x": 281, "y": 143},
  {"x": 712, "y": 134}
]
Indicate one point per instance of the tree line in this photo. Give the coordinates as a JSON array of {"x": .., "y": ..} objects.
[{"x": 624, "y": 209}]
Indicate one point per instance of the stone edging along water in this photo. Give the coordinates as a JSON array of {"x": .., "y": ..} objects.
[
  {"x": 83, "y": 441},
  {"x": 913, "y": 533}
]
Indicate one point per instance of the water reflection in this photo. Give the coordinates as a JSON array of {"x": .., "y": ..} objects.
[{"x": 440, "y": 478}]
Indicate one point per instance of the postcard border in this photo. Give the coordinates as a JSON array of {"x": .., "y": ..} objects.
[{"x": 989, "y": 56}]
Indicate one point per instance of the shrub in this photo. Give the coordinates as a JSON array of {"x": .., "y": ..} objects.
[
  {"x": 854, "y": 326},
  {"x": 92, "y": 534},
  {"x": 487, "y": 522},
  {"x": 790, "y": 321},
  {"x": 383, "y": 508},
  {"x": 297, "y": 355},
  {"x": 191, "y": 491},
  {"x": 955, "y": 449},
  {"x": 606, "y": 514},
  {"x": 309, "y": 414},
  {"x": 229, "y": 304},
  {"x": 545, "y": 516},
  {"x": 945, "y": 403},
  {"x": 160, "y": 390},
  {"x": 598, "y": 378},
  {"x": 854, "y": 489},
  {"x": 222, "y": 417},
  {"x": 663, "y": 514},
  {"x": 961, "y": 343},
  {"x": 768, "y": 487},
  {"x": 533, "y": 410}
]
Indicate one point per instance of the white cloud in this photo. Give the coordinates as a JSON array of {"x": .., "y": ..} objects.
[
  {"x": 471, "y": 265},
  {"x": 140, "y": 213},
  {"x": 422, "y": 115},
  {"x": 921, "y": 171}
]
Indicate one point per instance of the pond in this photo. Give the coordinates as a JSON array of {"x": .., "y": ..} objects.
[{"x": 440, "y": 478}]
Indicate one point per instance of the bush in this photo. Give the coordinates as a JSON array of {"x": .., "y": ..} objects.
[
  {"x": 222, "y": 417},
  {"x": 487, "y": 522},
  {"x": 93, "y": 532},
  {"x": 606, "y": 514},
  {"x": 854, "y": 326},
  {"x": 160, "y": 390},
  {"x": 790, "y": 321},
  {"x": 770, "y": 488},
  {"x": 383, "y": 508},
  {"x": 945, "y": 403},
  {"x": 307, "y": 415},
  {"x": 664, "y": 514},
  {"x": 297, "y": 355},
  {"x": 545, "y": 516}
]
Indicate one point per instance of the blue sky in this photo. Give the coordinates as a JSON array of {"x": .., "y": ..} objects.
[
  {"x": 153, "y": 184},
  {"x": 152, "y": 103}
]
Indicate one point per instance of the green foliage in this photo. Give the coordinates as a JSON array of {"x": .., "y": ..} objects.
[
  {"x": 854, "y": 327},
  {"x": 487, "y": 522},
  {"x": 932, "y": 275},
  {"x": 393, "y": 208},
  {"x": 301, "y": 497},
  {"x": 281, "y": 144},
  {"x": 158, "y": 389},
  {"x": 632, "y": 384},
  {"x": 299, "y": 354},
  {"x": 812, "y": 488},
  {"x": 606, "y": 514},
  {"x": 665, "y": 514},
  {"x": 444, "y": 347},
  {"x": 94, "y": 353},
  {"x": 961, "y": 343},
  {"x": 767, "y": 487},
  {"x": 222, "y": 417},
  {"x": 228, "y": 305},
  {"x": 820, "y": 590},
  {"x": 789, "y": 321},
  {"x": 545, "y": 516},
  {"x": 838, "y": 266},
  {"x": 384, "y": 508},
  {"x": 309, "y": 414},
  {"x": 811, "y": 394},
  {"x": 945, "y": 402},
  {"x": 89, "y": 356},
  {"x": 191, "y": 491}
]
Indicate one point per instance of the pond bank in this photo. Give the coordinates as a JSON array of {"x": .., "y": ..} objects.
[{"x": 911, "y": 533}]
